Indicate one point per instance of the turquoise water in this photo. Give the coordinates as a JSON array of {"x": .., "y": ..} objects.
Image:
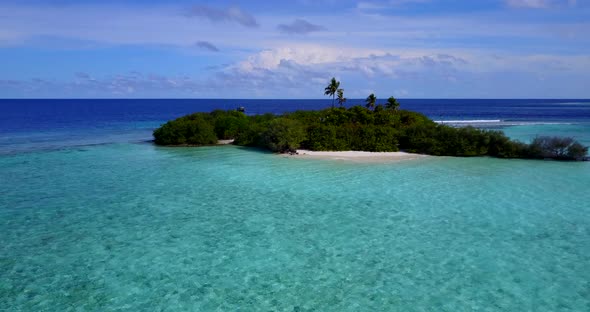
[
  {"x": 131, "y": 226},
  {"x": 525, "y": 133}
]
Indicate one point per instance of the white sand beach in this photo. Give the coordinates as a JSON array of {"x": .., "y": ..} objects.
[
  {"x": 357, "y": 156},
  {"x": 225, "y": 142}
]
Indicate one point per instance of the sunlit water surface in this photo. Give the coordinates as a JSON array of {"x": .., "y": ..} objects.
[
  {"x": 96, "y": 219},
  {"x": 133, "y": 226}
]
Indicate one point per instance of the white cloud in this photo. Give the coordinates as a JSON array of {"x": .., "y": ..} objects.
[
  {"x": 309, "y": 62},
  {"x": 309, "y": 67},
  {"x": 300, "y": 73},
  {"x": 371, "y": 48},
  {"x": 289, "y": 71},
  {"x": 302, "y": 54},
  {"x": 348, "y": 58}
]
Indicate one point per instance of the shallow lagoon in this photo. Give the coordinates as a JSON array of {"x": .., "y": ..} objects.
[
  {"x": 141, "y": 227},
  {"x": 92, "y": 219}
]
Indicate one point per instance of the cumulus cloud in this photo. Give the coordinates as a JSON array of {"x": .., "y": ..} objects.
[
  {"x": 309, "y": 67},
  {"x": 408, "y": 67},
  {"x": 231, "y": 14},
  {"x": 299, "y": 27},
  {"x": 364, "y": 61},
  {"x": 293, "y": 72},
  {"x": 287, "y": 78},
  {"x": 301, "y": 72},
  {"x": 296, "y": 70},
  {"x": 207, "y": 46}
]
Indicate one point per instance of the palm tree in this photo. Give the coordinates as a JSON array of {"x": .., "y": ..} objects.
[
  {"x": 392, "y": 103},
  {"x": 371, "y": 99},
  {"x": 331, "y": 89},
  {"x": 341, "y": 98}
]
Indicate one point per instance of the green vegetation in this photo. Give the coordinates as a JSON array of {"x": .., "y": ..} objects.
[
  {"x": 374, "y": 128},
  {"x": 357, "y": 128},
  {"x": 371, "y": 100},
  {"x": 557, "y": 148},
  {"x": 195, "y": 129},
  {"x": 392, "y": 103},
  {"x": 341, "y": 98},
  {"x": 332, "y": 88}
]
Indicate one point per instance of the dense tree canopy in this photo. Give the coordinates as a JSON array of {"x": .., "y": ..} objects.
[
  {"x": 195, "y": 129},
  {"x": 357, "y": 128},
  {"x": 374, "y": 128}
]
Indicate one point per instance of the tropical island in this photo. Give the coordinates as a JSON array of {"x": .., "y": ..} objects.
[{"x": 373, "y": 128}]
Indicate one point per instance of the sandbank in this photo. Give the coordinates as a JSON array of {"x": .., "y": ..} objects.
[
  {"x": 225, "y": 142},
  {"x": 357, "y": 156}
]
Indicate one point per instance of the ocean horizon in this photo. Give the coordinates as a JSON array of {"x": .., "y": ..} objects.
[
  {"x": 20, "y": 116},
  {"x": 95, "y": 217}
]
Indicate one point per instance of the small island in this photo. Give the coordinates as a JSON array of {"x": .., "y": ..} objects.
[{"x": 374, "y": 128}]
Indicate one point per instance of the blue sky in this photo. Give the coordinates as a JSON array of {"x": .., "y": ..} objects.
[{"x": 290, "y": 49}]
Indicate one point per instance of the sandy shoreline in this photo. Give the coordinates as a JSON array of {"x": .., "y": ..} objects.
[
  {"x": 225, "y": 142},
  {"x": 357, "y": 156}
]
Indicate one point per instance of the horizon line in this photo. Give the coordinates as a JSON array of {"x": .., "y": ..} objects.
[{"x": 290, "y": 99}]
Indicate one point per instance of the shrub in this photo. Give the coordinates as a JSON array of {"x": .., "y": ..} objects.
[
  {"x": 228, "y": 126},
  {"x": 323, "y": 138},
  {"x": 577, "y": 151},
  {"x": 283, "y": 135},
  {"x": 557, "y": 148},
  {"x": 361, "y": 115},
  {"x": 192, "y": 130}
]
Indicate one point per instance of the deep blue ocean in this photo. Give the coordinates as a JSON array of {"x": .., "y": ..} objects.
[
  {"x": 94, "y": 217},
  {"x": 44, "y": 124}
]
